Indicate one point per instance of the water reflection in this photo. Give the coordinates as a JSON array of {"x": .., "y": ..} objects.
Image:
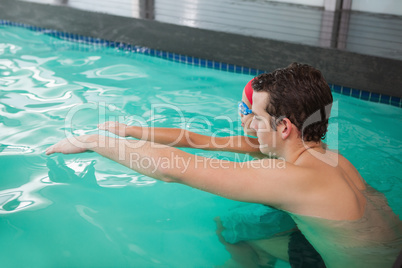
[
  {"x": 63, "y": 200},
  {"x": 59, "y": 172},
  {"x": 23, "y": 197},
  {"x": 6, "y": 149},
  {"x": 116, "y": 72},
  {"x": 76, "y": 175},
  {"x": 28, "y": 194}
]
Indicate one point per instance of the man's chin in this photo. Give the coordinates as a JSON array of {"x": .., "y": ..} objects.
[{"x": 264, "y": 149}]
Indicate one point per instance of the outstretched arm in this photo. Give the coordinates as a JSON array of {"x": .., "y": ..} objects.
[
  {"x": 267, "y": 181},
  {"x": 178, "y": 137}
]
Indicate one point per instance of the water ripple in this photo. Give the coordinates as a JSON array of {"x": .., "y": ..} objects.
[
  {"x": 23, "y": 197},
  {"x": 67, "y": 95},
  {"x": 45, "y": 77},
  {"x": 79, "y": 62},
  {"x": 14, "y": 149},
  {"x": 116, "y": 72},
  {"x": 6, "y": 48},
  {"x": 33, "y": 103}
]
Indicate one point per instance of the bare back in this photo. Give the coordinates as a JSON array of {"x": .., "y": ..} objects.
[{"x": 348, "y": 222}]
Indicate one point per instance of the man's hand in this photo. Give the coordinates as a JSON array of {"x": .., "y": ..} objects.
[
  {"x": 114, "y": 127},
  {"x": 72, "y": 145}
]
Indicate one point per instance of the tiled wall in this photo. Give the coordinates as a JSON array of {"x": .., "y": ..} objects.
[
  {"x": 352, "y": 92},
  {"x": 366, "y": 95}
]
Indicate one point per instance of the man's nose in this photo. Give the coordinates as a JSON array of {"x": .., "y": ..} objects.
[{"x": 253, "y": 125}]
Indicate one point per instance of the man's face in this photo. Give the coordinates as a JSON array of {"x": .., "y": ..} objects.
[{"x": 261, "y": 123}]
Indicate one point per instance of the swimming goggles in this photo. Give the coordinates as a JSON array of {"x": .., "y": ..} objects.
[{"x": 243, "y": 108}]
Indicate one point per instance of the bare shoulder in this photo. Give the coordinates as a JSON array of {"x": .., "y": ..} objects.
[
  {"x": 336, "y": 185},
  {"x": 334, "y": 163},
  {"x": 351, "y": 172}
]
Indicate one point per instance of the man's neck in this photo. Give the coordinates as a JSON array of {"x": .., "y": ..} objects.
[{"x": 293, "y": 152}]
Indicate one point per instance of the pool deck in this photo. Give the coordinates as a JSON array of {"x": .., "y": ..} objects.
[{"x": 352, "y": 49}]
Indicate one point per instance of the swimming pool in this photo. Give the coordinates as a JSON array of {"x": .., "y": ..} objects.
[{"x": 84, "y": 210}]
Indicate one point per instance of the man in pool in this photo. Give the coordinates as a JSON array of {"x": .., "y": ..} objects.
[
  {"x": 240, "y": 225},
  {"x": 347, "y": 222}
]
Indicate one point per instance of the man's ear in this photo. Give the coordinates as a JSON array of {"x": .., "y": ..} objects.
[{"x": 285, "y": 128}]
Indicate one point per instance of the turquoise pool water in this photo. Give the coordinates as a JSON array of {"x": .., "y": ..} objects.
[{"x": 86, "y": 211}]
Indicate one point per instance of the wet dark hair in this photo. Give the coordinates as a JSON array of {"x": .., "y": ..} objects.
[{"x": 300, "y": 93}]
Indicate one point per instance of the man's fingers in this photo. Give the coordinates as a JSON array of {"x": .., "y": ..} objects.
[
  {"x": 50, "y": 150},
  {"x": 102, "y": 126},
  {"x": 108, "y": 125}
]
